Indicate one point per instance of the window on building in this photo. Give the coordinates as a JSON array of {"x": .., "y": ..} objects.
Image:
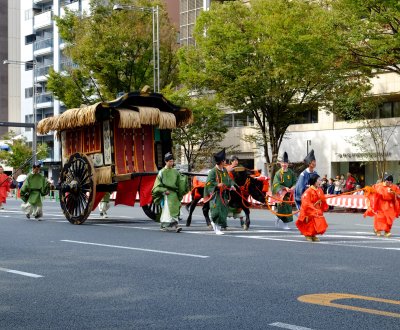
[
  {"x": 28, "y": 92},
  {"x": 228, "y": 120},
  {"x": 28, "y": 14},
  {"x": 396, "y": 109},
  {"x": 28, "y": 119},
  {"x": 29, "y": 39},
  {"x": 309, "y": 116},
  {"x": 389, "y": 109},
  {"x": 385, "y": 110},
  {"x": 28, "y": 65},
  {"x": 238, "y": 120}
]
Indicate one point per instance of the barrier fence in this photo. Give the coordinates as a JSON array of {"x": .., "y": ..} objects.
[{"x": 345, "y": 201}]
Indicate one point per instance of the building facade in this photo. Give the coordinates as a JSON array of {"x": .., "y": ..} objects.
[
  {"x": 10, "y": 98},
  {"x": 41, "y": 44},
  {"x": 333, "y": 140},
  {"x": 336, "y": 142}
]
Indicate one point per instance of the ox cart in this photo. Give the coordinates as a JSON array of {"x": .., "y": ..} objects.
[{"x": 113, "y": 146}]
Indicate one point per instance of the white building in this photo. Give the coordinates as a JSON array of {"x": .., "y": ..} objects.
[
  {"x": 327, "y": 135},
  {"x": 331, "y": 138},
  {"x": 41, "y": 43}
]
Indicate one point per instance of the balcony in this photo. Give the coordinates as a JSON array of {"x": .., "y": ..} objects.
[
  {"x": 44, "y": 46},
  {"x": 43, "y": 20},
  {"x": 70, "y": 5},
  {"x": 67, "y": 65},
  {"x": 44, "y": 100},
  {"x": 41, "y": 2},
  {"x": 41, "y": 72}
]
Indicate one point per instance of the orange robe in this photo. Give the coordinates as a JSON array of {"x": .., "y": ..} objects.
[
  {"x": 197, "y": 183},
  {"x": 384, "y": 206},
  {"x": 4, "y": 187},
  {"x": 313, "y": 205}
]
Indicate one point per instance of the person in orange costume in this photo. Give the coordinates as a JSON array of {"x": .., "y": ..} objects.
[
  {"x": 5, "y": 181},
  {"x": 384, "y": 205},
  {"x": 311, "y": 221}
]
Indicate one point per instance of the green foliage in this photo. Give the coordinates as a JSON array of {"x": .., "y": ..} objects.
[
  {"x": 269, "y": 60},
  {"x": 202, "y": 138},
  {"x": 369, "y": 29},
  {"x": 73, "y": 89},
  {"x": 114, "y": 52},
  {"x": 20, "y": 156}
]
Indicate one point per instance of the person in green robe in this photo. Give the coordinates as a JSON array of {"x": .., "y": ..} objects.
[
  {"x": 104, "y": 205},
  {"x": 283, "y": 187},
  {"x": 35, "y": 186},
  {"x": 216, "y": 191},
  {"x": 168, "y": 190}
]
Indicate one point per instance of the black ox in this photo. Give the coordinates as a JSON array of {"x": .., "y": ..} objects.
[{"x": 246, "y": 185}]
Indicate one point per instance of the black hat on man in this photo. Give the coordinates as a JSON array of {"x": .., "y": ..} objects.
[
  {"x": 168, "y": 156},
  {"x": 37, "y": 164},
  {"x": 310, "y": 157},
  {"x": 220, "y": 156},
  {"x": 285, "y": 158},
  {"x": 388, "y": 177},
  {"x": 313, "y": 178}
]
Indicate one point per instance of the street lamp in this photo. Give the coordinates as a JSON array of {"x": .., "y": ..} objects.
[
  {"x": 33, "y": 63},
  {"x": 156, "y": 39}
]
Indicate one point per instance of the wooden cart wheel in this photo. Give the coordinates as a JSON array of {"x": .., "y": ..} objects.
[
  {"x": 78, "y": 188},
  {"x": 152, "y": 210}
]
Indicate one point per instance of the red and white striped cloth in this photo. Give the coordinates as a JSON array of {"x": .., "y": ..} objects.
[
  {"x": 185, "y": 200},
  {"x": 348, "y": 201}
]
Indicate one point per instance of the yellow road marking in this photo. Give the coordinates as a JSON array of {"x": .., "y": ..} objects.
[{"x": 325, "y": 299}]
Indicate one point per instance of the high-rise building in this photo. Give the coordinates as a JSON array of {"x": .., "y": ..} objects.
[
  {"x": 42, "y": 45},
  {"x": 10, "y": 99}
]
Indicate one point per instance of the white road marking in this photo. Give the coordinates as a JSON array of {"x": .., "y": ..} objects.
[
  {"x": 288, "y": 326},
  {"x": 321, "y": 243},
  {"x": 20, "y": 273},
  {"x": 10, "y": 211},
  {"x": 123, "y": 226},
  {"x": 137, "y": 249}
]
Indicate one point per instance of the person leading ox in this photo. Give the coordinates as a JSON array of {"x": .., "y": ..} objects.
[
  {"x": 216, "y": 191},
  {"x": 283, "y": 186}
]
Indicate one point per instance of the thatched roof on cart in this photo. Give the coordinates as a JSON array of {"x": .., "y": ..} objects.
[{"x": 134, "y": 109}]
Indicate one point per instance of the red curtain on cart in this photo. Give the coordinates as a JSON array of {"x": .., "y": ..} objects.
[{"x": 127, "y": 191}]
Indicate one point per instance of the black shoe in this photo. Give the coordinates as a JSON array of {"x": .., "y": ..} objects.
[
  {"x": 178, "y": 229},
  {"x": 101, "y": 214},
  {"x": 37, "y": 217},
  {"x": 28, "y": 216}
]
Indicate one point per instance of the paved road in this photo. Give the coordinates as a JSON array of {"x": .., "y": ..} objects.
[{"x": 123, "y": 273}]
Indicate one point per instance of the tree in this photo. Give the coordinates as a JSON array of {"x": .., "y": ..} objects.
[
  {"x": 369, "y": 29},
  {"x": 273, "y": 60},
  {"x": 113, "y": 50},
  {"x": 20, "y": 156},
  {"x": 202, "y": 138},
  {"x": 375, "y": 136}
]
